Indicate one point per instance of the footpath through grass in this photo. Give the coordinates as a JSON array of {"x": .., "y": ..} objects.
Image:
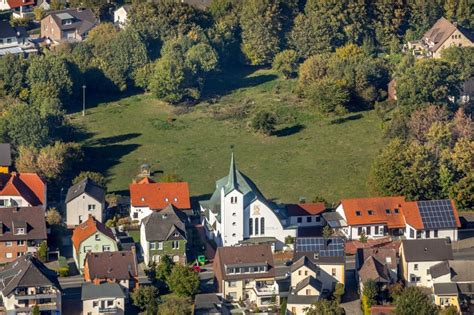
[{"x": 309, "y": 156}]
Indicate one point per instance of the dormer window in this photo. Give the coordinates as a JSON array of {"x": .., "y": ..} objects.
[
  {"x": 20, "y": 231},
  {"x": 370, "y": 212},
  {"x": 387, "y": 211},
  {"x": 395, "y": 210},
  {"x": 97, "y": 237},
  {"x": 358, "y": 213},
  {"x": 316, "y": 255}
]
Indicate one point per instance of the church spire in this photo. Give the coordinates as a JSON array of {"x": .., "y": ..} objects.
[{"x": 232, "y": 179}]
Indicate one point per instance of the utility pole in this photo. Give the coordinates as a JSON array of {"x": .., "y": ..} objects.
[{"x": 83, "y": 100}]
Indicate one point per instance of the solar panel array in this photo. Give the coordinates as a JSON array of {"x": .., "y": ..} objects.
[
  {"x": 437, "y": 214},
  {"x": 330, "y": 247}
]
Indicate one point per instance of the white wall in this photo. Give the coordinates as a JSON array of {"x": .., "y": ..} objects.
[
  {"x": 425, "y": 278},
  {"x": 78, "y": 207},
  {"x": 14, "y": 201},
  {"x": 13, "y": 42},
  {"x": 144, "y": 244},
  {"x": 141, "y": 213},
  {"x": 120, "y": 17},
  {"x": 87, "y": 305},
  {"x": 442, "y": 233},
  {"x": 232, "y": 218},
  {"x": 294, "y": 220}
]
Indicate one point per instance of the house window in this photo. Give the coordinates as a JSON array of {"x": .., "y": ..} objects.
[
  {"x": 232, "y": 284},
  {"x": 368, "y": 230},
  {"x": 256, "y": 226},
  {"x": 9, "y": 40},
  {"x": 87, "y": 249},
  {"x": 250, "y": 226},
  {"x": 333, "y": 272},
  {"x": 359, "y": 230},
  {"x": 435, "y": 233},
  {"x": 233, "y": 200},
  {"x": 8, "y": 244},
  {"x": 262, "y": 225},
  {"x": 418, "y": 234},
  {"x": 376, "y": 230},
  {"x": 358, "y": 213},
  {"x": 20, "y": 243},
  {"x": 395, "y": 210},
  {"x": 318, "y": 273},
  {"x": 387, "y": 211},
  {"x": 299, "y": 219},
  {"x": 106, "y": 248},
  {"x": 318, "y": 218},
  {"x": 428, "y": 272},
  {"x": 370, "y": 212},
  {"x": 232, "y": 296},
  {"x": 160, "y": 245},
  {"x": 233, "y": 234},
  {"x": 415, "y": 267},
  {"x": 2, "y": 201},
  {"x": 308, "y": 219},
  {"x": 299, "y": 272},
  {"x": 413, "y": 279},
  {"x": 91, "y": 207},
  {"x": 20, "y": 231},
  {"x": 135, "y": 215},
  {"x": 233, "y": 223},
  {"x": 428, "y": 233},
  {"x": 95, "y": 303},
  {"x": 175, "y": 244},
  {"x": 8, "y": 255},
  {"x": 412, "y": 233},
  {"x": 308, "y": 291},
  {"x": 306, "y": 272},
  {"x": 97, "y": 237},
  {"x": 152, "y": 246}
]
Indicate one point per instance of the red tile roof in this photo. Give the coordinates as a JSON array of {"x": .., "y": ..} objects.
[
  {"x": 378, "y": 206},
  {"x": 13, "y": 4},
  {"x": 303, "y": 209},
  {"x": 88, "y": 228},
  {"x": 157, "y": 196},
  {"x": 26, "y": 185},
  {"x": 382, "y": 309}
]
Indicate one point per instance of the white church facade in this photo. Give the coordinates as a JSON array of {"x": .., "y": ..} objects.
[{"x": 238, "y": 213}]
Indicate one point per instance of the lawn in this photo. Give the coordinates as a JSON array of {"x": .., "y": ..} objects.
[{"x": 308, "y": 156}]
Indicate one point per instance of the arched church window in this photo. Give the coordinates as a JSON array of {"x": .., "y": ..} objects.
[
  {"x": 250, "y": 226},
  {"x": 262, "y": 226},
  {"x": 256, "y": 226}
]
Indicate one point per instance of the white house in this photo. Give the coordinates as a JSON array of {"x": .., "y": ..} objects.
[
  {"x": 104, "y": 298},
  {"x": 305, "y": 214},
  {"x": 22, "y": 190},
  {"x": 238, "y": 212},
  {"x": 121, "y": 15},
  {"x": 378, "y": 217},
  {"x": 417, "y": 257},
  {"x": 84, "y": 199}
]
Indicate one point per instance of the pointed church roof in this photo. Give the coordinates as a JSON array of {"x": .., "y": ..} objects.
[{"x": 232, "y": 178}]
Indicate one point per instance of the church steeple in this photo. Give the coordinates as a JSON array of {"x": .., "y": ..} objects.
[{"x": 232, "y": 179}]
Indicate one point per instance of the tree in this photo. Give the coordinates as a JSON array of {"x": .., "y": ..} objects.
[
  {"x": 164, "y": 268},
  {"x": 263, "y": 122},
  {"x": 327, "y": 231},
  {"x": 55, "y": 162},
  {"x": 13, "y": 73},
  {"x": 143, "y": 296},
  {"x": 97, "y": 178},
  {"x": 363, "y": 237},
  {"x": 414, "y": 301},
  {"x": 176, "y": 305},
  {"x": 429, "y": 81},
  {"x": 261, "y": 24},
  {"x": 26, "y": 160},
  {"x": 39, "y": 13},
  {"x": 422, "y": 119},
  {"x": 338, "y": 292},
  {"x": 183, "y": 281},
  {"x": 286, "y": 62},
  {"x": 461, "y": 58},
  {"x": 53, "y": 217},
  {"x": 35, "y": 310},
  {"x": 324, "y": 307},
  {"x": 449, "y": 310},
  {"x": 390, "y": 19},
  {"x": 370, "y": 291},
  {"x": 168, "y": 81},
  {"x": 43, "y": 251},
  {"x": 328, "y": 96},
  {"x": 312, "y": 70}
]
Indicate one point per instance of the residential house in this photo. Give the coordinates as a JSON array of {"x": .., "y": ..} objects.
[
  {"x": 26, "y": 282},
  {"x": 306, "y": 288},
  {"x": 121, "y": 15},
  {"x": 103, "y": 298},
  {"x": 22, "y": 190},
  {"x": 443, "y": 34},
  {"x": 237, "y": 211},
  {"x": 147, "y": 197},
  {"x": 378, "y": 264},
  {"x": 164, "y": 233},
  {"x": 13, "y": 40},
  {"x": 5, "y": 149},
  {"x": 377, "y": 217},
  {"x": 453, "y": 283},
  {"x": 68, "y": 25},
  {"x": 22, "y": 230},
  {"x": 305, "y": 214},
  {"x": 20, "y": 8},
  {"x": 91, "y": 236},
  {"x": 84, "y": 199},
  {"x": 115, "y": 267},
  {"x": 208, "y": 304},
  {"x": 418, "y": 256},
  {"x": 246, "y": 273},
  {"x": 327, "y": 254}
]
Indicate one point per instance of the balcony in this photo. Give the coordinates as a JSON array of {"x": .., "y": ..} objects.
[
  {"x": 21, "y": 297},
  {"x": 42, "y": 307},
  {"x": 264, "y": 288},
  {"x": 108, "y": 310}
]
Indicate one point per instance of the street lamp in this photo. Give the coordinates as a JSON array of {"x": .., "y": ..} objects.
[{"x": 83, "y": 100}]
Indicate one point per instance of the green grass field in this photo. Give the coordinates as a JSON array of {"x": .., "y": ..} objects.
[{"x": 308, "y": 156}]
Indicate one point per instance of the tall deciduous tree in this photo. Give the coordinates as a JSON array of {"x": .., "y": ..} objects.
[
  {"x": 176, "y": 305},
  {"x": 183, "y": 281},
  {"x": 261, "y": 25},
  {"x": 414, "y": 301}
]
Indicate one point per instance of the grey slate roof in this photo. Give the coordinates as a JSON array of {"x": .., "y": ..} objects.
[
  {"x": 303, "y": 261},
  {"x": 374, "y": 270},
  {"x": 440, "y": 269},
  {"x": 462, "y": 270},
  {"x": 83, "y": 19},
  {"x": 87, "y": 186},
  {"x": 161, "y": 226},
  {"x": 301, "y": 299},
  {"x": 5, "y": 150},
  {"x": 92, "y": 291},
  {"x": 26, "y": 271},
  {"x": 207, "y": 304},
  {"x": 448, "y": 288},
  {"x": 31, "y": 218},
  {"x": 312, "y": 281},
  {"x": 427, "y": 250}
]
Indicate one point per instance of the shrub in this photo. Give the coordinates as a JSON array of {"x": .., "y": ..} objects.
[
  {"x": 338, "y": 292},
  {"x": 63, "y": 271},
  {"x": 289, "y": 240},
  {"x": 264, "y": 122},
  {"x": 286, "y": 62}
]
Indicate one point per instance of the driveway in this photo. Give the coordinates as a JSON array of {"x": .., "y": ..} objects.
[{"x": 350, "y": 300}]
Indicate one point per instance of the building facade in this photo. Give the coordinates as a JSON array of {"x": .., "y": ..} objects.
[
  {"x": 22, "y": 190},
  {"x": 68, "y": 25},
  {"x": 84, "y": 199},
  {"x": 104, "y": 298}
]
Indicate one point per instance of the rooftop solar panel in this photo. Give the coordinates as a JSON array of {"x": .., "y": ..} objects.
[
  {"x": 437, "y": 214},
  {"x": 331, "y": 247}
]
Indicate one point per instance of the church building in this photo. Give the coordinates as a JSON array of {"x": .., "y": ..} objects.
[{"x": 237, "y": 213}]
